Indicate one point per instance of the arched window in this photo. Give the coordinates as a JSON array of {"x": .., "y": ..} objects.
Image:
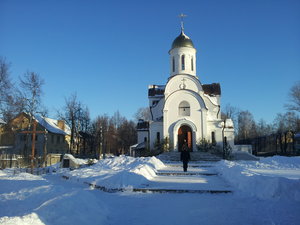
[
  {"x": 184, "y": 108},
  {"x": 183, "y": 62},
  {"x": 213, "y": 138},
  {"x": 192, "y": 63},
  {"x": 173, "y": 64}
]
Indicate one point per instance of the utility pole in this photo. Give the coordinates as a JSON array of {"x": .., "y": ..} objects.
[
  {"x": 33, "y": 132},
  {"x": 224, "y": 141},
  {"x": 100, "y": 144},
  {"x": 45, "y": 148}
]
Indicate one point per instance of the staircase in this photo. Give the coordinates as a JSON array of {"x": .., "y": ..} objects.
[{"x": 195, "y": 156}]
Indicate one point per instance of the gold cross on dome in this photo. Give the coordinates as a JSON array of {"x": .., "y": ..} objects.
[{"x": 181, "y": 18}]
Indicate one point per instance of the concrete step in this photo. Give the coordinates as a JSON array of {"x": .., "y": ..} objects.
[
  {"x": 195, "y": 156},
  {"x": 184, "y": 174}
]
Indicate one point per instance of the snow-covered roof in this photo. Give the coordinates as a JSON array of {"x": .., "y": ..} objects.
[
  {"x": 213, "y": 99},
  {"x": 2, "y": 121},
  {"x": 52, "y": 125},
  {"x": 156, "y": 90}
]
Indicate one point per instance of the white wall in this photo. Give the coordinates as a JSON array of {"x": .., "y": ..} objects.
[
  {"x": 177, "y": 53},
  {"x": 142, "y": 135},
  {"x": 154, "y": 128}
]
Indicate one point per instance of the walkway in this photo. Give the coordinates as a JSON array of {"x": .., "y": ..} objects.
[{"x": 201, "y": 177}]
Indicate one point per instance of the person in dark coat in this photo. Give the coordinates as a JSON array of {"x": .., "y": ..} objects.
[{"x": 185, "y": 156}]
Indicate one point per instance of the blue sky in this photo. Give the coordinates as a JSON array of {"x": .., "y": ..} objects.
[{"x": 108, "y": 52}]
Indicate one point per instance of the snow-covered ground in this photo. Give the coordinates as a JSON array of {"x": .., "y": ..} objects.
[{"x": 264, "y": 192}]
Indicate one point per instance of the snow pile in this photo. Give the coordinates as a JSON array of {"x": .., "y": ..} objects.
[
  {"x": 271, "y": 178},
  {"x": 29, "y": 219},
  {"x": 31, "y": 199},
  {"x": 75, "y": 160},
  {"x": 118, "y": 172}
]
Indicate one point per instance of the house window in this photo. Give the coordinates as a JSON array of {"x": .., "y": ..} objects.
[
  {"x": 158, "y": 137},
  {"x": 213, "y": 138},
  {"x": 192, "y": 64},
  {"x": 145, "y": 139},
  {"x": 52, "y": 139},
  {"x": 183, "y": 62},
  {"x": 184, "y": 109},
  {"x": 58, "y": 140},
  {"x": 173, "y": 64}
]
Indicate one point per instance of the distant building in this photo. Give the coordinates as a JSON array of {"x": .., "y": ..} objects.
[
  {"x": 184, "y": 109},
  {"x": 52, "y": 134}
]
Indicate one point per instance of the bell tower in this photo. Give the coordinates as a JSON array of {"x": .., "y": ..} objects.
[{"x": 182, "y": 54}]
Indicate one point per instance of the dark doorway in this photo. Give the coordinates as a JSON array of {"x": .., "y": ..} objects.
[
  {"x": 66, "y": 163},
  {"x": 185, "y": 133}
]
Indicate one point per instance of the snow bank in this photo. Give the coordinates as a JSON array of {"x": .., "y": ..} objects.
[
  {"x": 30, "y": 219},
  {"x": 8, "y": 174},
  {"x": 76, "y": 161},
  {"x": 118, "y": 172},
  {"x": 271, "y": 178}
]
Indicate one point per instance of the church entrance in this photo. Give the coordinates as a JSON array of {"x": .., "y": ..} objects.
[{"x": 185, "y": 133}]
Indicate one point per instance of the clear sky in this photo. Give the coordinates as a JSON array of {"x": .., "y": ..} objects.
[{"x": 108, "y": 52}]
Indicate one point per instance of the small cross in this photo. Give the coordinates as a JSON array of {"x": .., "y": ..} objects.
[
  {"x": 182, "y": 85},
  {"x": 181, "y": 18}
]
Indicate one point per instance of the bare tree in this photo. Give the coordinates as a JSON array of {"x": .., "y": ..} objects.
[
  {"x": 294, "y": 95},
  {"x": 143, "y": 113},
  {"x": 31, "y": 92},
  {"x": 117, "y": 119},
  {"x": 246, "y": 125},
  {"x": 5, "y": 84},
  {"x": 10, "y": 104},
  {"x": 286, "y": 126},
  {"x": 71, "y": 114},
  {"x": 127, "y": 136},
  {"x": 263, "y": 128}
]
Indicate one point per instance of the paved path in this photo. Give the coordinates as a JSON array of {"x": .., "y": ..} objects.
[{"x": 201, "y": 177}]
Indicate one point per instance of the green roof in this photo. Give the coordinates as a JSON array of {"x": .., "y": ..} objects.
[{"x": 182, "y": 41}]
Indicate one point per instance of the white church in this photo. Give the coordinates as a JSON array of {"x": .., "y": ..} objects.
[{"x": 184, "y": 109}]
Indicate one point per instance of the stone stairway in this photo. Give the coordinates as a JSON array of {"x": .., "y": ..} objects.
[
  {"x": 195, "y": 156},
  {"x": 202, "y": 177}
]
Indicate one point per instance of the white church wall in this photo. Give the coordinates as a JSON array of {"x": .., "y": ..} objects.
[
  {"x": 142, "y": 135},
  {"x": 177, "y": 83},
  {"x": 197, "y": 115},
  {"x": 189, "y": 53},
  {"x": 214, "y": 109},
  {"x": 156, "y": 129},
  {"x": 157, "y": 110},
  {"x": 229, "y": 134}
]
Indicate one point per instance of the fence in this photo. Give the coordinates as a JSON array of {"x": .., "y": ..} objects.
[{"x": 19, "y": 161}]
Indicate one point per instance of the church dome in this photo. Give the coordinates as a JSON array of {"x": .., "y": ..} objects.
[{"x": 182, "y": 41}]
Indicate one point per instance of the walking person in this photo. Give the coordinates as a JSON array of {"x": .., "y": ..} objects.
[{"x": 185, "y": 156}]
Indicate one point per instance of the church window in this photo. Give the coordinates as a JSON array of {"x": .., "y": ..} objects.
[
  {"x": 173, "y": 64},
  {"x": 154, "y": 103},
  {"x": 184, "y": 109},
  {"x": 145, "y": 139},
  {"x": 183, "y": 62},
  {"x": 158, "y": 137},
  {"x": 192, "y": 64},
  {"x": 213, "y": 138}
]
